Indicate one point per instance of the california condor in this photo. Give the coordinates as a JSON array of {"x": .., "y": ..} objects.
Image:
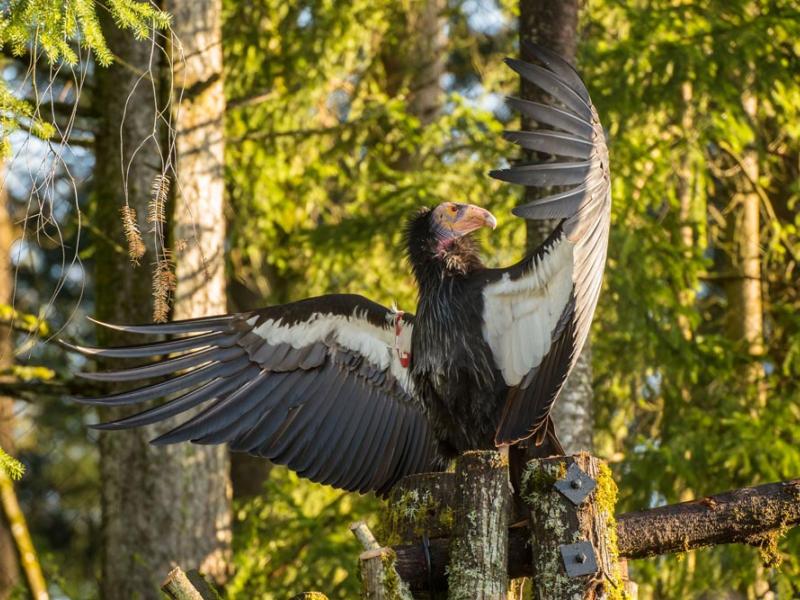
[{"x": 356, "y": 395}]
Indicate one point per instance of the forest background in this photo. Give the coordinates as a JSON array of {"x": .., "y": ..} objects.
[{"x": 338, "y": 119}]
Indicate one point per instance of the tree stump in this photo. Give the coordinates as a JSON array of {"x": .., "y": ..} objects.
[
  {"x": 573, "y": 533},
  {"x": 180, "y": 585},
  {"x": 379, "y": 579},
  {"x": 478, "y": 568}
]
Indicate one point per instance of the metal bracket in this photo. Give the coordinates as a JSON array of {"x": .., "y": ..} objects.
[
  {"x": 579, "y": 559},
  {"x": 576, "y": 485}
]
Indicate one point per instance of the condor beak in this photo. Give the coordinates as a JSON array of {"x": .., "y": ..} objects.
[{"x": 475, "y": 217}]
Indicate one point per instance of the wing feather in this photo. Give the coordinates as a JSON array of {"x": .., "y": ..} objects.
[
  {"x": 563, "y": 276},
  {"x": 316, "y": 385}
]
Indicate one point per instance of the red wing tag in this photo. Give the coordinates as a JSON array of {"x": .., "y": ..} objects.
[{"x": 405, "y": 357}]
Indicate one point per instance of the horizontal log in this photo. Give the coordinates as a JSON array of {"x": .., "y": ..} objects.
[
  {"x": 740, "y": 516},
  {"x": 748, "y": 515},
  {"x": 411, "y": 562}
]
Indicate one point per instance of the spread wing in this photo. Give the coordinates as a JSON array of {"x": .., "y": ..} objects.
[
  {"x": 538, "y": 312},
  {"x": 318, "y": 385}
]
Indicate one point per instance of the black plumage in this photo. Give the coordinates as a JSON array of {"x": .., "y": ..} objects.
[{"x": 347, "y": 392}]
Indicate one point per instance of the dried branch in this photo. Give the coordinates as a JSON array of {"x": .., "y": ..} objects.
[
  {"x": 164, "y": 284},
  {"x": 157, "y": 208},
  {"x": 22, "y": 538}
]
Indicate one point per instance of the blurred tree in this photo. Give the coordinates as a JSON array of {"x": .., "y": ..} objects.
[
  {"x": 9, "y": 563},
  {"x": 199, "y": 236},
  {"x": 161, "y": 505}
]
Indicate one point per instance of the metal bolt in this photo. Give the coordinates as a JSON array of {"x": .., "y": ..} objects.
[
  {"x": 581, "y": 558},
  {"x": 576, "y": 484}
]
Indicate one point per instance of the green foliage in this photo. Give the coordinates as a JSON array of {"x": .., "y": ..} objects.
[
  {"x": 11, "y": 466},
  {"x": 320, "y": 140},
  {"x": 53, "y": 29},
  {"x": 54, "y": 26},
  {"x": 683, "y": 418},
  {"x": 294, "y": 538}
]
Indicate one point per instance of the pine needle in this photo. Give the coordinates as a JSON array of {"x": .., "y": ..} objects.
[
  {"x": 130, "y": 226},
  {"x": 157, "y": 207},
  {"x": 164, "y": 283}
]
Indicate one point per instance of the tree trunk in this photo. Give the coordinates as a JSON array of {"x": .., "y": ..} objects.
[
  {"x": 687, "y": 199},
  {"x": 9, "y": 563},
  {"x": 161, "y": 506},
  {"x": 413, "y": 58},
  {"x": 745, "y": 312},
  {"x": 199, "y": 219},
  {"x": 555, "y": 25}
]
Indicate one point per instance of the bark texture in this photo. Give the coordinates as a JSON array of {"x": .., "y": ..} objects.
[
  {"x": 555, "y": 25},
  {"x": 379, "y": 580},
  {"x": 161, "y": 506},
  {"x": 479, "y": 546},
  {"x": 748, "y": 515},
  {"x": 199, "y": 228}
]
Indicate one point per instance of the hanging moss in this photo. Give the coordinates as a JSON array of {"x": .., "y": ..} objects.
[{"x": 767, "y": 544}]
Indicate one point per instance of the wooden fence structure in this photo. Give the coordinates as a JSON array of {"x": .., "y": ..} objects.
[{"x": 464, "y": 535}]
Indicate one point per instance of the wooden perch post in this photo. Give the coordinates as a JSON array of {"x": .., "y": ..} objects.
[
  {"x": 379, "y": 578},
  {"x": 188, "y": 586},
  {"x": 571, "y": 501},
  {"x": 479, "y": 546},
  {"x": 423, "y": 505}
]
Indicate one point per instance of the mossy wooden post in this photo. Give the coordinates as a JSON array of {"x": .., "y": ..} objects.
[
  {"x": 556, "y": 522},
  {"x": 479, "y": 547},
  {"x": 188, "y": 586},
  {"x": 379, "y": 579}
]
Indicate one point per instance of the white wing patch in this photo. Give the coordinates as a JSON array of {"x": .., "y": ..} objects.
[
  {"x": 520, "y": 315},
  {"x": 354, "y": 332}
]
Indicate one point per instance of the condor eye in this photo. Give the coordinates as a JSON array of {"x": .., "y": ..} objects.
[{"x": 453, "y": 208}]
